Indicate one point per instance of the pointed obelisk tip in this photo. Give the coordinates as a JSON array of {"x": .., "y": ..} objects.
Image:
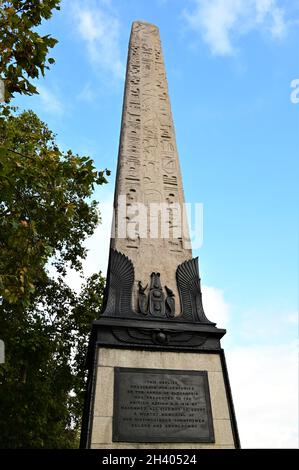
[{"x": 138, "y": 23}]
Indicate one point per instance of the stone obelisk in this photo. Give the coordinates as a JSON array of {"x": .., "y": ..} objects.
[
  {"x": 148, "y": 167},
  {"x": 157, "y": 373}
]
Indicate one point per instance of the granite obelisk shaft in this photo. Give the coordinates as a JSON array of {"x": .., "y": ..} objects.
[{"x": 148, "y": 167}]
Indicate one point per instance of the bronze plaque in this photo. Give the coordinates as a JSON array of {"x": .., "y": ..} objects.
[{"x": 161, "y": 405}]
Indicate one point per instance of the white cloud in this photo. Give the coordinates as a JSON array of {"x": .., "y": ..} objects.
[
  {"x": 220, "y": 22},
  {"x": 99, "y": 28},
  {"x": 278, "y": 27},
  {"x": 264, "y": 381},
  {"x": 50, "y": 102},
  {"x": 215, "y": 306},
  {"x": 87, "y": 93}
]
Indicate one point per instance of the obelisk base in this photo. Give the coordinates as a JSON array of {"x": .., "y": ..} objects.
[{"x": 109, "y": 360}]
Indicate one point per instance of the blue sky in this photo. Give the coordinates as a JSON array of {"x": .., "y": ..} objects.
[{"x": 229, "y": 65}]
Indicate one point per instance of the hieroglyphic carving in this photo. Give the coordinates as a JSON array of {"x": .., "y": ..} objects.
[
  {"x": 169, "y": 164},
  {"x": 132, "y": 169},
  {"x": 148, "y": 162},
  {"x": 170, "y": 180}
]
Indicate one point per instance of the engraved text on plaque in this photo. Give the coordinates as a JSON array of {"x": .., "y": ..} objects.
[{"x": 157, "y": 405}]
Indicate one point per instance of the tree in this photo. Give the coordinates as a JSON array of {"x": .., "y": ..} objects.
[
  {"x": 43, "y": 379},
  {"x": 45, "y": 211},
  {"x": 45, "y": 215},
  {"x": 23, "y": 51}
]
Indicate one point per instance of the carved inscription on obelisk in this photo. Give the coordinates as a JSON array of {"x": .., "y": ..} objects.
[{"x": 148, "y": 168}]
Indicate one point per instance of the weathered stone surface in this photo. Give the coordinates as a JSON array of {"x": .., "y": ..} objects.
[
  {"x": 101, "y": 430},
  {"x": 223, "y": 432},
  {"x": 218, "y": 396},
  {"x": 104, "y": 384},
  {"x": 148, "y": 166},
  {"x": 109, "y": 357}
]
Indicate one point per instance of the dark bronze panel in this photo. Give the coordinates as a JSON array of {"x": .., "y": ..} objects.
[{"x": 161, "y": 405}]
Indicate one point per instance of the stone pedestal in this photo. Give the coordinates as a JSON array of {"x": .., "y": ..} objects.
[{"x": 110, "y": 353}]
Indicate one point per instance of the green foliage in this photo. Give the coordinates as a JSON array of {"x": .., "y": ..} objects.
[
  {"x": 42, "y": 381},
  {"x": 45, "y": 210},
  {"x": 23, "y": 51}
]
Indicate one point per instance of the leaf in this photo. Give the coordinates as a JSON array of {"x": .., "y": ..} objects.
[{"x": 23, "y": 50}]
